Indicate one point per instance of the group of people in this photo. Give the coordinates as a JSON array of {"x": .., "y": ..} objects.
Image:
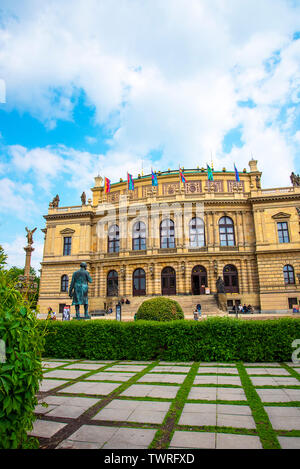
[
  {"x": 197, "y": 312},
  {"x": 243, "y": 309},
  {"x": 52, "y": 314}
]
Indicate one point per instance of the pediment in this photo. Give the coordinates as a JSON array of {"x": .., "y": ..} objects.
[
  {"x": 67, "y": 231},
  {"x": 281, "y": 215}
]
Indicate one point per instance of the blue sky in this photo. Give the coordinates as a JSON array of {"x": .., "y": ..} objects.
[{"x": 109, "y": 87}]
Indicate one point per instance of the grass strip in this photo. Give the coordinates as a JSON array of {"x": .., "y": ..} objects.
[
  {"x": 265, "y": 430},
  {"x": 164, "y": 435}
]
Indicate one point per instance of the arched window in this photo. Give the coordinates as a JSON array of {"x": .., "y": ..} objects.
[
  {"x": 197, "y": 233},
  {"x": 167, "y": 234},
  {"x": 113, "y": 239},
  {"x": 139, "y": 282},
  {"x": 139, "y": 236},
  {"x": 226, "y": 230},
  {"x": 112, "y": 283},
  {"x": 64, "y": 283},
  {"x": 168, "y": 281},
  {"x": 231, "y": 280},
  {"x": 289, "y": 275}
]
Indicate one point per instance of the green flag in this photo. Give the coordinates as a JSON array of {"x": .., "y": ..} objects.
[{"x": 210, "y": 173}]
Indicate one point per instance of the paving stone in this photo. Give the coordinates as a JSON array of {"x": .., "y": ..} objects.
[
  {"x": 274, "y": 381},
  {"x": 135, "y": 368},
  {"x": 198, "y": 414},
  {"x": 279, "y": 395},
  {"x": 209, "y": 393},
  {"x": 144, "y": 390},
  {"x": 45, "y": 429},
  {"x": 130, "y": 438},
  {"x": 233, "y": 441},
  {"x": 284, "y": 418},
  {"x": 85, "y": 387},
  {"x": 49, "y": 384},
  {"x": 161, "y": 378},
  {"x": 106, "y": 376},
  {"x": 289, "y": 442},
  {"x": 193, "y": 440},
  {"x": 65, "y": 407},
  {"x": 69, "y": 444},
  {"x": 132, "y": 362},
  {"x": 84, "y": 366},
  {"x": 65, "y": 374},
  {"x": 173, "y": 369},
  {"x": 177, "y": 363},
  {"x": 230, "y": 394},
  {"x": 113, "y": 437},
  {"x": 206, "y": 380},
  {"x": 52, "y": 364},
  {"x": 234, "y": 380},
  {"x": 261, "y": 364},
  {"x": 217, "y": 370},
  {"x": 134, "y": 411},
  {"x": 234, "y": 416},
  {"x": 216, "y": 364},
  {"x": 267, "y": 371},
  {"x": 98, "y": 361}
]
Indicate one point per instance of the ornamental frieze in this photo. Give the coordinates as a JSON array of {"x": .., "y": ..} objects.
[
  {"x": 214, "y": 186},
  {"x": 193, "y": 187},
  {"x": 233, "y": 186},
  {"x": 170, "y": 188}
]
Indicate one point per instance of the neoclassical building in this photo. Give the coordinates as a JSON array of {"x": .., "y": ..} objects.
[{"x": 176, "y": 239}]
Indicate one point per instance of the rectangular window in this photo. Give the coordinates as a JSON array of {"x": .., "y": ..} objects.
[
  {"x": 283, "y": 232},
  {"x": 67, "y": 245},
  {"x": 292, "y": 302}
]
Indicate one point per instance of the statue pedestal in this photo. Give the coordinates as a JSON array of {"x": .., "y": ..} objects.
[{"x": 222, "y": 301}]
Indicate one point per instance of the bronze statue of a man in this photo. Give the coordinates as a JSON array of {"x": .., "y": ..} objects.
[{"x": 79, "y": 290}]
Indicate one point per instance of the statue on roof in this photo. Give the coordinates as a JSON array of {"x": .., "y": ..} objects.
[
  {"x": 55, "y": 202},
  {"x": 295, "y": 179},
  {"x": 83, "y": 198}
]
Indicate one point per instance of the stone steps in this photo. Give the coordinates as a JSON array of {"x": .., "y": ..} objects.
[{"x": 208, "y": 303}]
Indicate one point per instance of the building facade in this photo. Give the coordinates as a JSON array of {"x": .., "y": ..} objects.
[{"x": 176, "y": 239}]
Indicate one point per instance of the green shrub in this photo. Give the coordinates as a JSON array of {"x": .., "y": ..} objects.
[
  {"x": 215, "y": 339},
  {"x": 20, "y": 367},
  {"x": 160, "y": 309}
]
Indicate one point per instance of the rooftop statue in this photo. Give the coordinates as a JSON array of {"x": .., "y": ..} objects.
[{"x": 295, "y": 179}]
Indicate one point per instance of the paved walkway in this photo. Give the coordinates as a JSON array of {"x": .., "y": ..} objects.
[{"x": 159, "y": 405}]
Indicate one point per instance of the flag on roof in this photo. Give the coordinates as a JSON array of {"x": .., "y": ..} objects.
[
  {"x": 154, "y": 178},
  {"x": 237, "y": 177},
  {"x": 182, "y": 177},
  {"x": 130, "y": 182},
  {"x": 106, "y": 185},
  {"x": 210, "y": 173}
]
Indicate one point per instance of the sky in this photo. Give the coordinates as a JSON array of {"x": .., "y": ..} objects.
[{"x": 103, "y": 87}]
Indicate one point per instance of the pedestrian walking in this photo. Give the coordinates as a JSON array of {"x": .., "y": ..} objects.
[
  {"x": 199, "y": 309},
  {"x": 196, "y": 315}
]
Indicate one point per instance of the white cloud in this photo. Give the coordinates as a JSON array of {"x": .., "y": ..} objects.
[
  {"x": 164, "y": 75},
  {"x": 16, "y": 254}
]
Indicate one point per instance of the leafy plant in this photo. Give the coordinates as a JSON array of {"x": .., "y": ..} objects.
[
  {"x": 20, "y": 368},
  {"x": 160, "y": 309}
]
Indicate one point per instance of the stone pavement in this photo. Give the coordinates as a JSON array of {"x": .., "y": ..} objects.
[{"x": 106, "y": 404}]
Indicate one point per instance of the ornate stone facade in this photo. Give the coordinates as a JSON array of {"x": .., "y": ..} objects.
[{"x": 177, "y": 240}]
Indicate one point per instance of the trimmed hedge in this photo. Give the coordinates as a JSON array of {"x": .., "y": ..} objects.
[
  {"x": 215, "y": 339},
  {"x": 160, "y": 309}
]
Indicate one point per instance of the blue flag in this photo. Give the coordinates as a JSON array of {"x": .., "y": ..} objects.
[
  {"x": 154, "y": 179},
  {"x": 237, "y": 177}
]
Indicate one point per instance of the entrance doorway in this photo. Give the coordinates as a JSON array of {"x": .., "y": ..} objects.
[
  {"x": 231, "y": 280},
  {"x": 199, "y": 280},
  {"x": 139, "y": 282},
  {"x": 168, "y": 281}
]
